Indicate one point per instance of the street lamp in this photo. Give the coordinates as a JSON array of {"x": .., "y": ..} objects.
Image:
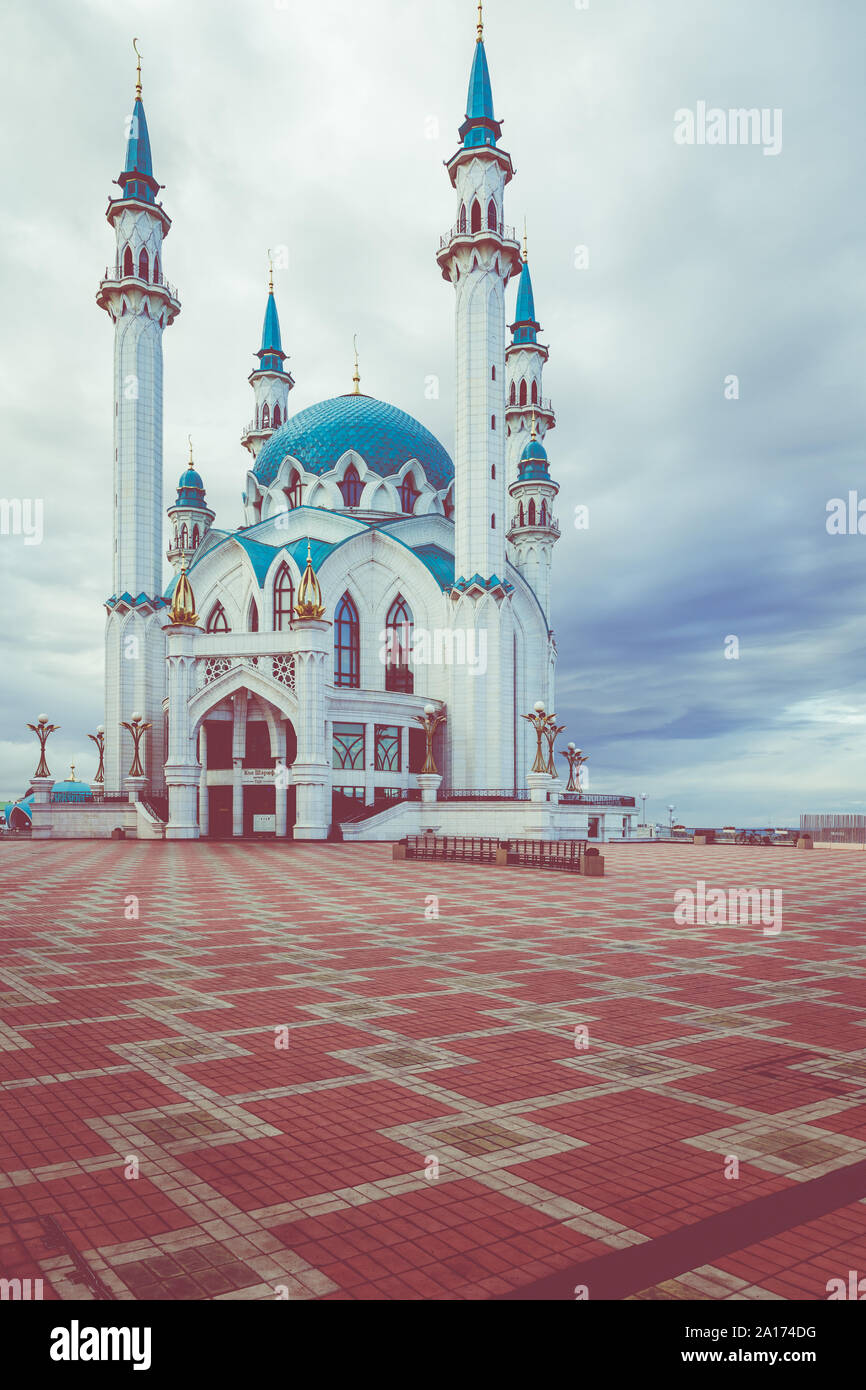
[
  {"x": 643, "y": 797},
  {"x": 671, "y": 810}
]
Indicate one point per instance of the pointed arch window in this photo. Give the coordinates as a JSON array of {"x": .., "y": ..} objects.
[
  {"x": 195, "y": 537},
  {"x": 535, "y": 393},
  {"x": 293, "y": 491},
  {"x": 409, "y": 494},
  {"x": 475, "y": 216},
  {"x": 399, "y": 628},
  {"x": 253, "y": 616},
  {"x": 351, "y": 487},
  {"x": 184, "y": 537},
  {"x": 347, "y": 644},
  {"x": 461, "y": 220},
  {"x": 128, "y": 268},
  {"x": 493, "y": 522},
  {"x": 532, "y": 511},
  {"x": 543, "y": 518},
  {"x": 448, "y": 503},
  {"x": 520, "y": 516},
  {"x": 218, "y": 622},
  {"x": 156, "y": 270},
  {"x": 278, "y": 419},
  {"x": 143, "y": 265},
  {"x": 492, "y": 217},
  {"x": 523, "y": 392},
  {"x": 284, "y": 597},
  {"x": 266, "y": 417},
  {"x": 512, "y": 398}
]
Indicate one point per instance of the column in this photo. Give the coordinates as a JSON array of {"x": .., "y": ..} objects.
[
  {"x": 203, "y": 798},
  {"x": 182, "y": 771},
  {"x": 404, "y": 755},
  {"x": 312, "y": 768},
  {"x": 280, "y": 785},
  {"x": 369, "y": 763},
  {"x": 239, "y": 744}
]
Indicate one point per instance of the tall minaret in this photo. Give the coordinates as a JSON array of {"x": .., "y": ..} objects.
[
  {"x": 534, "y": 530},
  {"x": 270, "y": 381},
  {"x": 525, "y": 357},
  {"x": 140, "y": 303},
  {"x": 478, "y": 256}
]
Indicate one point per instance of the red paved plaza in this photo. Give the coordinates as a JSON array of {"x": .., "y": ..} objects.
[{"x": 327, "y": 1091}]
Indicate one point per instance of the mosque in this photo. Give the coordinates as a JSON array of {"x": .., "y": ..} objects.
[{"x": 362, "y": 649}]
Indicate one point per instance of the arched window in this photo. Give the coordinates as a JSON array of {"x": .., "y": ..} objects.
[
  {"x": 520, "y": 516},
  {"x": 277, "y": 417},
  {"x": 475, "y": 216},
  {"x": 399, "y": 635},
  {"x": 409, "y": 494},
  {"x": 491, "y": 216},
  {"x": 127, "y": 261},
  {"x": 493, "y": 522},
  {"x": 266, "y": 417},
  {"x": 253, "y": 616},
  {"x": 347, "y": 644},
  {"x": 461, "y": 220},
  {"x": 156, "y": 270},
  {"x": 448, "y": 504},
  {"x": 218, "y": 622},
  {"x": 523, "y": 391},
  {"x": 351, "y": 487},
  {"x": 293, "y": 491},
  {"x": 184, "y": 537},
  {"x": 492, "y": 373},
  {"x": 535, "y": 393},
  {"x": 195, "y": 537},
  {"x": 143, "y": 265},
  {"x": 283, "y": 599},
  {"x": 493, "y": 422},
  {"x": 512, "y": 399},
  {"x": 532, "y": 511},
  {"x": 544, "y": 513},
  {"x": 493, "y": 470}
]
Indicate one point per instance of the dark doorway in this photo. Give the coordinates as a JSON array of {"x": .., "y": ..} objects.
[{"x": 220, "y": 813}]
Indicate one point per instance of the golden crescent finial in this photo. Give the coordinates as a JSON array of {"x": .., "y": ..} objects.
[
  {"x": 357, "y": 377},
  {"x": 189, "y": 437},
  {"x": 525, "y": 250},
  {"x": 533, "y": 435},
  {"x": 138, "y": 69},
  {"x": 270, "y": 272},
  {"x": 480, "y": 22}
]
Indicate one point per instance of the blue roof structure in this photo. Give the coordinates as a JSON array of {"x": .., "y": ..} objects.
[
  {"x": 481, "y": 126},
  {"x": 137, "y": 178},
  {"x": 525, "y": 327},
  {"x": 384, "y": 436},
  {"x": 533, "y": 462},
  {"x": 190, "y": 490},
  {"x": 270, "y": 354}
]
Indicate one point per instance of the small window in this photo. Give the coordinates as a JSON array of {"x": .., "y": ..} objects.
[
  {"x": 277, "y": 417},
  {"x": 127, "y": 262},
  {"x": 218, "y": 622},
  {"x": 492, "y": 373},
  {"x": 523, "y": 391},
  {"x": 493, "y": 422},
  {"x": 491, "y": 216},
  {"x": 266, "y": 417},
  {"x": 493, "y": 522},
  {"x": 535, "y": 393},
  {"x": 348, "y": 748},
  {"x": 156, "y": 270},
  {"x": 409, "y": 494},
  {"x": 143, "y": 265},
  {"x": 476, "y": 216},
  {"x": 351, "y": 487},
  {"x": 493, "y": 470}
]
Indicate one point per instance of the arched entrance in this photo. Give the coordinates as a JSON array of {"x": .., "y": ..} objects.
[{"x": 247, "y": 746}]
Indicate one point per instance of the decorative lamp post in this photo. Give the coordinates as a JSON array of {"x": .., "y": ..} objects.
[
  {"x": 42, "y": 729},
  {"x": 430, "y": 721},
  {"x": 99, "y": 739},
  {"x": 538, "y": 719},
  {"x": 671, "y": 810},
  {"x": 137, "y": 728},
  {"x": 643, "y": 797},
  {"x": 576, "y": 759},
  {"x": 552, "y": 730}
]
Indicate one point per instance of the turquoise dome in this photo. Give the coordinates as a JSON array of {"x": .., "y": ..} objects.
[
  {"x": 71, "y": 791},
  {"x": 190, "y": 479},
  {"x": 384, "y": 436}
]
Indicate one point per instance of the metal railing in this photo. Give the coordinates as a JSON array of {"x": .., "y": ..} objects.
[
  {"x": 595, "y": 799},
  {"x": 379, "y": 804},
  {"x": 117, "y": 273},
  {"x": 543, "y": 405},
  {"x": 550, "y": 524},
  {"x": 483, "y": 794},
  {"x": 502, "y": 229}
]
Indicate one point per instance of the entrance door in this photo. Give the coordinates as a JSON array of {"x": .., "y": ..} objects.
[{"x": 220, "y": 813}]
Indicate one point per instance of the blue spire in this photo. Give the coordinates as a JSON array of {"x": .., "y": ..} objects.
[
  {"x": 137, "y": 179},
  {"x": 481, "y": 126},
  {"x": 270, "y": 354},
  {"x": 525, "y": 326}
]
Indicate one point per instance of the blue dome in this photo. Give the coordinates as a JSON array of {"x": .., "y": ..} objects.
[
  {"x": 384, "y": 436},
  {"x": 71, "y": 791},
  {"x": 533, "y": 450},
  {"x": 190, "y": 479}
]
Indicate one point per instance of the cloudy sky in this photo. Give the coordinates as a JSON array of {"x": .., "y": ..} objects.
[{"x": 322, "y": 128}]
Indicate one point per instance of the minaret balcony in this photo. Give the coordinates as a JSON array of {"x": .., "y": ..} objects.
[
  {"x": 114, "y": 281},
  {"x": 523, "y": 530},
  {"x": 459, "y": 239}
]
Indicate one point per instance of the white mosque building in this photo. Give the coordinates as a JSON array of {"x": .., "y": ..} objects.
[{"x": 373, "y": 583}]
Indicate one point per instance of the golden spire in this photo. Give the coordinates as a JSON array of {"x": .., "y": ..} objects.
[
  {"x": 309, "y": 605},
  {"x": 357, "y": 377},
  {"x": 533, "y": 435},
  {"x": 480, "y": 23},
  {"x": 182, "y": 612},
  {"x": 270, "y": 273},
  {"x": 189, "y": 437},
  {"x": 138, "y": 71},
  {"x": 525, "y": 249}
]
